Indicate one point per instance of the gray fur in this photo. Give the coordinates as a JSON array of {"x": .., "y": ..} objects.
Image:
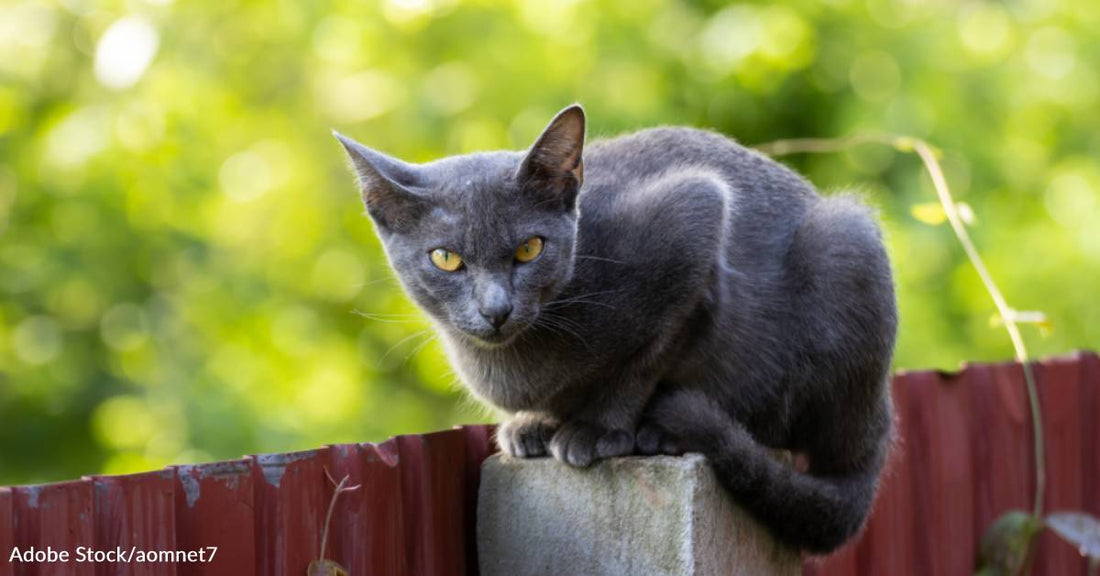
[{"x": 693, "y": 295}]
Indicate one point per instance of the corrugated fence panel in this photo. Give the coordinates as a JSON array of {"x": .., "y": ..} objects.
[
  {"x": 966, "y": 456},
  {"x": 887, "y": 546},
  {"x": 368, "y": 531},
  {"x": 1000, "y": 441},
  {"x": 937, "y": 443},
  {"x": 433, "y": 478},
  {"x": 290, "y": 500},
  {"x": 1060, "y": 396},
  {"x": 1090, "y": 431},
  {"x": 963, "y": 457},
  {"x": 7, "y": 532},
  {"x": 135, "y": 513},
  {"x": 214, "y": 514},
  {"x": 480, "y": 444},
  {"x": 58, "y": 516}
]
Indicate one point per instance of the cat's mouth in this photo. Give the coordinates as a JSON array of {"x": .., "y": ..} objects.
[
  {"x": 495, "y": 339},
  {"x": 483, "y": 335}
]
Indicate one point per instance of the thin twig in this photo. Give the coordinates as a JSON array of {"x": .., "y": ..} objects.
[
  {"x": 341, "y": 487},
  {"x": 1008, "y": 315}
]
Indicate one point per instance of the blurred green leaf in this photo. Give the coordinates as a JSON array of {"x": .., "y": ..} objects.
[
  {"x": 930, "y": 213},
  {"x": 1007, "y": 543}
]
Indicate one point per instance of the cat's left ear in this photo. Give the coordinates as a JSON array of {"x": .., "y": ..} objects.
[{"x": 554, "y": 167}]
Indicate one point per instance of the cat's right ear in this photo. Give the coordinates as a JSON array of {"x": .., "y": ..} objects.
[
  {"x": 554, "y": 168},
  {"x": 384, "y": 183}
]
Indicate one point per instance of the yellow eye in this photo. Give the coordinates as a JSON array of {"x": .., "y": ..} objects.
[
  {"x": 446, "y": 260},
  {"x": 529, "y": 250}
]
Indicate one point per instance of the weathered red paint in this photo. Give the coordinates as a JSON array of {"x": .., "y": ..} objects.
[
  {"x": 1090, "y": 432},
  {"x": 136, "y": 511},
  {"x": 480, "y": 443},
  {"x": 215, "y": 512},
  {"x": 963, "y": 457},
  {"x": 413, "y": 510},
  {"x": 433, "y": 477},
  {"x": 1001, "y": 445},
  {"x": 60, "y": 516},
  {"x": 1060, "y": 392},
  {"x": 943, "y": 484},
  {"x": 7, "y": 532},
  {"x": 367, "y": 535},
  {"x": 289, "y": 494}
]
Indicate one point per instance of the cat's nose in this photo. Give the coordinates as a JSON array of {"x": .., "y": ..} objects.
[{"x": 496, "y": 315}]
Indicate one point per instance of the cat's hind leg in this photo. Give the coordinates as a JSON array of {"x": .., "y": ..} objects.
[
  {"x": 842, "y": 324},
  {"x": 842, "y": 290},
  {"x": 817, "y": 511},
  {"x": 651, "y": 440}
]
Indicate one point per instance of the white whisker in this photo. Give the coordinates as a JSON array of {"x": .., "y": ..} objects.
[{"x": 402, "y": 341}]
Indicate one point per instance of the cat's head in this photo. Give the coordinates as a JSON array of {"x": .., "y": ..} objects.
[{"x": 480, "y": 241}]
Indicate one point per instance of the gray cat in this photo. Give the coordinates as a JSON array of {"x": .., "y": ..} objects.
[{"x": 665, "y": 291}]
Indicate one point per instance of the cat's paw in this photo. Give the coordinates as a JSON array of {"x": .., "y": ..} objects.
[
  {"x": 580, "y": 444},
  {"x": 651, "y": 440},
  {"x": 526, "y": 435}
]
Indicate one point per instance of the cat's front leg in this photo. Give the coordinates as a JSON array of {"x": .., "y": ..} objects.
[
  {"x": 605, "y": 427},
  {"x": 527, "y": 434}
]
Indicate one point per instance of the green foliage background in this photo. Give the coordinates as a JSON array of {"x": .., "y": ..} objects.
[{"x": 182, "y": 250}]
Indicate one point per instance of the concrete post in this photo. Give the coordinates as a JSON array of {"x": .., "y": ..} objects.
[{"x": 625, "y": 516}]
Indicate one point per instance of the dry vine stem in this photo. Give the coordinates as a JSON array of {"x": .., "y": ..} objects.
[
  {"x": 1009, "y": 316},
  {"x": 321, "y": 566}
]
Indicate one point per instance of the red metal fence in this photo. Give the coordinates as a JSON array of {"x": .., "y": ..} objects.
[
  {"x": 412, "y": 515},
  {"x": 964, "y": 457}
]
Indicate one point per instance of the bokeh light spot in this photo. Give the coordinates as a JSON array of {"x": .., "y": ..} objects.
[
  {"x": 985, "y": 29},
  {"x": 245, "y": 176},
  {"x": 125, "y": 327},
  {"x": 77, "y": 138},
  {"x": 451, "y": 88},
  {"x": 1073, "y": 196},
  {"x": 37, "y": 340},
  {"x": 1051, "y": 52},
  {"x": 875, "y": 76},
  {"x": 405, "y": 12},
  {"x": 26, "y": 29},
  {"x": 358, "y": 97},
  {"x": 125, "y": 51},
  {"x": 730, "y": 36},
  {"x": 123, "y": 422}
]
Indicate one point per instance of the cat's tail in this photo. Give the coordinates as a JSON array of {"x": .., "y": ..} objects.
[{"x": 817, "y": 514}]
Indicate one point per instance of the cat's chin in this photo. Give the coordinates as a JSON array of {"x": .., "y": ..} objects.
[
  {"x": 493, "y": 341},
  {"x": 490, "y": 341}
]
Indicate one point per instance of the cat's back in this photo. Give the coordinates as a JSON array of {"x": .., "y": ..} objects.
[
  {"x": 653, "y": 152},
  {"x": 766, "y": 200}
]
